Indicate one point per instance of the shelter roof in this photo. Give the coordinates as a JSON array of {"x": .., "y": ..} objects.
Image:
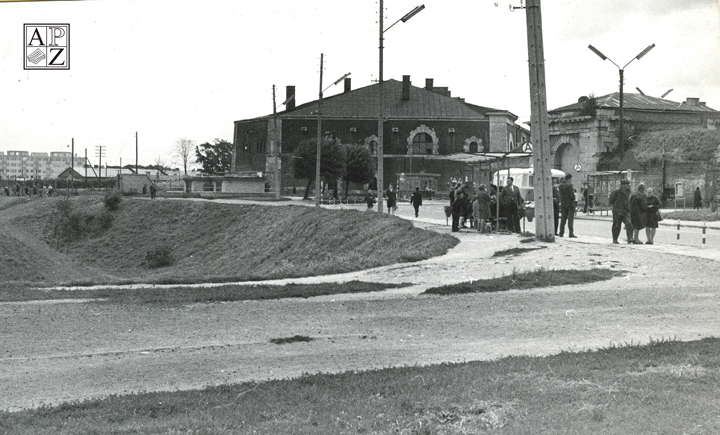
[{"x": 479, "y": 157}]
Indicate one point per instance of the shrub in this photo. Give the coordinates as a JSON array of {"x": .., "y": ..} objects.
[
  {"x": 112, "y": 200},
  {"x": 159, "y": 257}
]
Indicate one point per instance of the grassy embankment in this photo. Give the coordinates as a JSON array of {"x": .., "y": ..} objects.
[
  {"x": 663, "y": 387},
  {"x": 206, "y": 241}
]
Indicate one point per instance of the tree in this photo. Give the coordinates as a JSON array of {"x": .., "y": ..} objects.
[
  {"x": 215, "y": 158},
  {"x": 183, "y": 150},
  {"x": 332, "y": 162},
  {"x": 359, "y": 166}
]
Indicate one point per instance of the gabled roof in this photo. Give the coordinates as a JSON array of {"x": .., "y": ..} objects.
[
  {"x": 637, "y": 102},
  {"x": 362, "y": 103}
]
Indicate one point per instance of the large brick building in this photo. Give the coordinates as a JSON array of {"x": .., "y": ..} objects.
[{"x": 420, "y": 123}]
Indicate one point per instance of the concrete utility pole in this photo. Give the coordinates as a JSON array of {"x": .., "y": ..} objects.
[
  {"x": 542, "y": 150},
  {"x": 381, "y": 116}
]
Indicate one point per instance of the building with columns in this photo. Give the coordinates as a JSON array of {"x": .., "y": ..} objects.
[
  {"x": 419, "y": 123},
  {"x": 585, "y": 137}
]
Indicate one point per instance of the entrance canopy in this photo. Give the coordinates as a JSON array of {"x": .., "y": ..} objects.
[{"x": 490, "y": 157}]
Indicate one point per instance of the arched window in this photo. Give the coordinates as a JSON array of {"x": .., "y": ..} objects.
[
  {"x": 474, "y": 147},
  {"x": 422, "y": 144},
  {"x": 373, "y": 147}
]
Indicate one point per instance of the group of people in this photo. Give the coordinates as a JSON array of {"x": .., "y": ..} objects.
[
  {"x": 478, "y": 207},
  {"x": 391, "y": 197},
  {"x": 637, "y": 210},
  {"x": 26, "y": 190}
]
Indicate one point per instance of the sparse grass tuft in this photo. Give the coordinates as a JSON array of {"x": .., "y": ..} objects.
[
  {"x": 528, "y": 280},
  {"x": 293, "y": 339},
  {"x": 516, "y": 251}
]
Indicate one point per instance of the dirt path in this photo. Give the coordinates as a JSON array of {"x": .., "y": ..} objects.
[{"x": 68, "y": 351}]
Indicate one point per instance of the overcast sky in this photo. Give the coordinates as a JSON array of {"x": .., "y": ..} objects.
[{"x": 188, "y": 69}]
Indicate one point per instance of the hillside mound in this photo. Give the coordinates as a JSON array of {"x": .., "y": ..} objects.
[{"x": 207, "y": 242}]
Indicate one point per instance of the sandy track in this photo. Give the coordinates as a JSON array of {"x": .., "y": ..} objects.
[{"x": 61, "y": 352}]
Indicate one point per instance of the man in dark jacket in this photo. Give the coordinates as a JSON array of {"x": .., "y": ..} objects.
[
  {"x": 556, "y": 207},
  {"x": 620, "y": 203},
  {"x": 511, "y": 200},
  {"x": 416, "y": 200},
  {"x": 567, "y": 206}
]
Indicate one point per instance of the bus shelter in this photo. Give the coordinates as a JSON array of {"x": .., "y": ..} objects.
[{"x": 481, "y": 166}]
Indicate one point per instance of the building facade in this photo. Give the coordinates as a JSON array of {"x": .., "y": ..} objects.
[
  {"x": 24, "y": 165},
  {"x": 585, "y": 138},
  {"x": 419, "y": 123}
]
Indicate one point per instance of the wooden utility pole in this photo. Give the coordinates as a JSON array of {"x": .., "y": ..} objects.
[
  {"x": 319, "y": 138},
  {"x": 275, "y": 144},
  {"x": 542, "y": 150},
  {"x": 136, "y": 153}
]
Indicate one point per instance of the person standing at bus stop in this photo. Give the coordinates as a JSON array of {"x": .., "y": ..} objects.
[
  {"x": 620, "y": 203},
  {"x": 567, "y": 206},
  {"x": 511, "y": 200}
]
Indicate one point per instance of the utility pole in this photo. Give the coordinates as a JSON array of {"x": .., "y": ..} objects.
[
  {"x": 275, "y": 144},
  {"x": 72, "y": 165},
  {"x": 136, "y": 153},
  {"x": 99, "y": 153},
  {"x": 542, "y": 150},
  {"x": 319, "y": 138},
  {"x": 381, "y": 115}
]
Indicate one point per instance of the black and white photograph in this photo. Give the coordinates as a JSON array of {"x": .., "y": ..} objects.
[{"x": 348, "y": 217}]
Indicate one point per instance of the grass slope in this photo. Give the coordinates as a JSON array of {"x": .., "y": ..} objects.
[
  {"x": 666, "y": 387},
  {"x": 213, "y": 242}
]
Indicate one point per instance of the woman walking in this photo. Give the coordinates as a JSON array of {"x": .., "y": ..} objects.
[
  {"x": 638, "y": 212},
  {"x": 653, "y": 210}
]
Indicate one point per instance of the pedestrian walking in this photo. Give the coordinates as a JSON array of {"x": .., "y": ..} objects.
[
  {"x": 586, "y": 198},
  {"x": 653, "y": 215},
  {"x": 391, "y": 201},
  {"x": 416, "y": 200},
  {"x": 153, "y": 191},
  {"x": 369, "y": 200},
  {"x": 638, "y": 212},
  {"x": 511, "y": 201},
  {"x": 620, "y": 203},
  {"x": 567, "y": 206},
  {"x": 697, "y": 199}
]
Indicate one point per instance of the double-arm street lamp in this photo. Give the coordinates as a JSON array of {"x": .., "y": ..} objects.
[
  {"x": 319, "y": 130},
  {"x": 381, "y": 102},
  {"x": 622, "y": 76}
]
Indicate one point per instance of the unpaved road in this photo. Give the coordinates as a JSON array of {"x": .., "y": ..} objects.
[{"x": 59, "y": 352}]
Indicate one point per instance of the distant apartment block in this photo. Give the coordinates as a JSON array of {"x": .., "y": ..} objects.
[{"x": 24, "y": 165}]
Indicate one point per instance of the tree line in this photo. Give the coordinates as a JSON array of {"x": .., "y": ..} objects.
[{"x": 351, "y": 163}]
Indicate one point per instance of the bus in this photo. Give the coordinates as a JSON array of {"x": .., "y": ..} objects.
[{"x": 523, "y": 179}]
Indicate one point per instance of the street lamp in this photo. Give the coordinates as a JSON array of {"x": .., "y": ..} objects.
[
  {"x": 622, "y": 72},
  {"x": 381, "y": 103},
  {"x": 319, "y": 131}
]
